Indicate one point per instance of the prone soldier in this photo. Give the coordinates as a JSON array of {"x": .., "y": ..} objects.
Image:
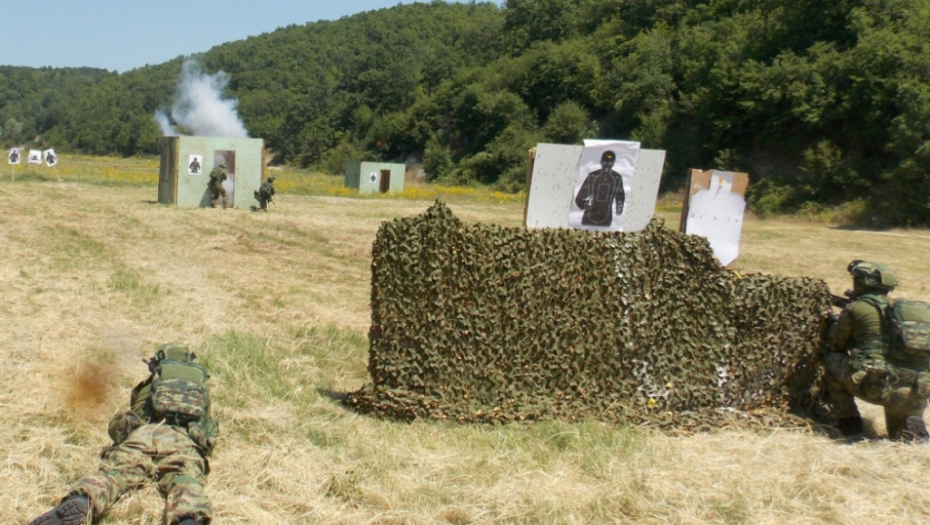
[{"x": 166, "y": 435}]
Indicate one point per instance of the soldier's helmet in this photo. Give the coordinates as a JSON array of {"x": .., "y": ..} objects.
[
  {"x": 221, "y": 166},
  {"x": 270, "y": 179},
  {"x": 872, "y": 275},
  {"x": 179, "y": 351}
]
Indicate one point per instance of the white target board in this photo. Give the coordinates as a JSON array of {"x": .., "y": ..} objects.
[
  {"x": 555, "y": 174},
  {"x": 714, "y": 208}
]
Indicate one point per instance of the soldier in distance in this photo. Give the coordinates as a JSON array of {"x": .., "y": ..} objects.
[
  {"x": 862, "y": 361},
  {"x": 264, "y": 195},
  {"x": 165, "y": 436},
  {"x": 217, "y": 177}
]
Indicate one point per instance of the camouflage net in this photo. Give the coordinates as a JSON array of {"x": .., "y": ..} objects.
[{"x": 490, "y": 324}]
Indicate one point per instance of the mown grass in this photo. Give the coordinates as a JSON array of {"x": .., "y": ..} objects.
[{"x": 96, "y": 277}]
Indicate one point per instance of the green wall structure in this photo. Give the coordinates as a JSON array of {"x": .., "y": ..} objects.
[
  {"x": 375, "y": 177},
  {"x": 482, "y": 323},
  {"x": 184, "y": 183}
]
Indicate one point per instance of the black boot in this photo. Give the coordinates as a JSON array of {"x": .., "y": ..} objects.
[
  {"x": 915, "y": 430},
  {"x": 72, "y": 511},
  {"x": 189, "y": 521},
  {"x": 849, "y": 426}
]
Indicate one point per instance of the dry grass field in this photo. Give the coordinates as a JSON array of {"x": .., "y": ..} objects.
[{"x": 95, "y": 276}]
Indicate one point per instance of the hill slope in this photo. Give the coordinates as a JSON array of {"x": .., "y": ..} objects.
[{"x": 823, "y": 102}]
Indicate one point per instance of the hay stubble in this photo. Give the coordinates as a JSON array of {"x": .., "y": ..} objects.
[{"x": 94, "y": 277}]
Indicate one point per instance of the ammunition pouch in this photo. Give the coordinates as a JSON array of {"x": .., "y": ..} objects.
[{"x": 198, "y": 434}]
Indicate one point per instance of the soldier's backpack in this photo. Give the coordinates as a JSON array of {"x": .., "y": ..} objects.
[
  {"x": 178, "y": 394},
  {"x": 909, "y": 329}
]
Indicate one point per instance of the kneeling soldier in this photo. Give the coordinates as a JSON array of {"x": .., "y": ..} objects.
[
  {"x": 264, "y": 194},
  {"x": 872, "y": 359}
]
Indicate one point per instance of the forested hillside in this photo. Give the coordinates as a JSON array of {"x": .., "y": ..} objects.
[{"x": 823, "y": 102}]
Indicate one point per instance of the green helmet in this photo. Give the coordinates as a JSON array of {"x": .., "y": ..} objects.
[
  {"x": 178, "y": 351},
  {"x": 872, "y": 275}
]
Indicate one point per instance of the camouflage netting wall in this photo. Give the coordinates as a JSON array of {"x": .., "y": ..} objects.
[{"x": 492, "y": 324}]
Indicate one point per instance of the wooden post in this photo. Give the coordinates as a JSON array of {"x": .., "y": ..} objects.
[
  {"x": 530, "y": 163},
  {"x": 683, "y": 222}
]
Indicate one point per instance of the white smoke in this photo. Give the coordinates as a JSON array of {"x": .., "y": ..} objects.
[{"x": 199, "y": 106}]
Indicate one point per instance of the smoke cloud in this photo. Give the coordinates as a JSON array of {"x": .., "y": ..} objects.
[{"x": 199, "y": 107}]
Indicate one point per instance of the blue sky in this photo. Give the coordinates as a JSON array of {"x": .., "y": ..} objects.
[{"x": 122, "y": 35}]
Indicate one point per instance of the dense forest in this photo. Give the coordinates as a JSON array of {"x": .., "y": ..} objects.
[{"x": 823, "y": 102}]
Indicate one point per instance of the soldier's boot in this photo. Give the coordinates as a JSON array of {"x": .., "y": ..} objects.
[
  {"x": 71, "y": 511},
  {"x": 895, "y": 419},
  {"x": 915, "y": 430},
  {"x": 849, "y": 426},
  {"x": 190, "y": 521}
]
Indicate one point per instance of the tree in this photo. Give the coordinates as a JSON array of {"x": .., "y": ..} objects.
[
  {"x": 12, "y": 129},
  {"x": 529, "y": 21},
  {"x": 569, "y": 123}
]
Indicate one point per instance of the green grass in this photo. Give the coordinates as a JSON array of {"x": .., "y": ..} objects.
[
  {"x": 133, "y": 286},
  {"x": 143, "y": 171}
]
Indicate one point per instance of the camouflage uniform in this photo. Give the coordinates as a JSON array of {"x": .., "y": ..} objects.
[
  {"x": 859, "y": 366},
  {"x": 159, "y": 452},
  {"x": 264, "y": 194},
  {"x": 174, "y": 456},
  {"x": 217, "y": 176}
]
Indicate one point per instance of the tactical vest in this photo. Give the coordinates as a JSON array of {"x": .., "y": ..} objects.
[
  {"x": 175, "y": 393},
  {"x": 217, "y": 177},
  {"x": 875, "y": 345}
]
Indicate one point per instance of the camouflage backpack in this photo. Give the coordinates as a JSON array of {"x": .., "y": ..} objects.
[
  {"x": 218, "y": 175},
  {"x": 266, "y": 190},
  {"x": 909, "y": 329},
  {"x": 178, "y": 395}
]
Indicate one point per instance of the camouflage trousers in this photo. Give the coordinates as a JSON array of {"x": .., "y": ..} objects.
[
  {"x": 161, "y": 453},
  {"x": 219, "y": 192},
  {"x": 901, "y": 392},
  {"x": 262, "y": 200}
]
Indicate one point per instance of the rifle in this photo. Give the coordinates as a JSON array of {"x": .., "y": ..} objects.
[
  {"x": 842, "y": 302},
  {"x": 839, "y": 302}
]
